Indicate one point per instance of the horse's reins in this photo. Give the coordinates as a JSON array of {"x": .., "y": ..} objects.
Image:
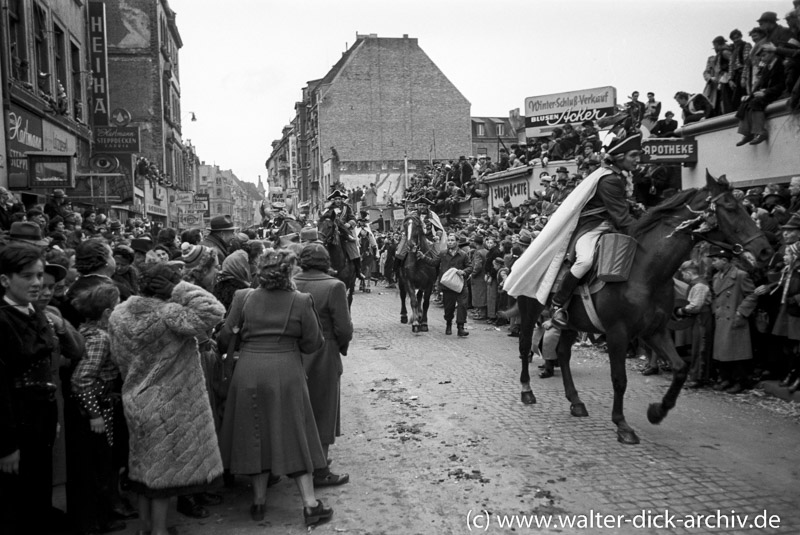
[{"x": 703, "y": 220}]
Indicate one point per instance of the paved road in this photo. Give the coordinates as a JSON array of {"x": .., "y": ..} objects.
[{"x": 435, "y": 439}]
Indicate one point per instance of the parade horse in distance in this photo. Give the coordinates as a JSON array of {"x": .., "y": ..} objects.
[
  {"x": 416, "y": 276},
  {"x": 344, "y": 267},
  {"x": 642, "y": 306}
]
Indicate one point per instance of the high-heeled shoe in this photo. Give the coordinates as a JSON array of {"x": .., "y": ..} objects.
[
  {"x": 257, "y": 511},
  {"x": 318, "y": 514},
  {"x": 795, "y": 386}
]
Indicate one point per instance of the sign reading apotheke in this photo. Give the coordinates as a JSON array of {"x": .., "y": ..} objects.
[
  {"x": 545, "y": 113},
  {"x": 669, "y": 150}
]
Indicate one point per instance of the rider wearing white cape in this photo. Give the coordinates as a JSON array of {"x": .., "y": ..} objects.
[{"x": 596, "y": 206}]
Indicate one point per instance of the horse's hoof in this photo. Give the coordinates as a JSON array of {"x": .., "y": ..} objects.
[
  {"x": 627, "y": 436},
  {"x": 655, "y": 413},
  {"x": 368, "y": 290},
  {"x": 579, "y": 410},
  {"x": 423, "y": 328},
  {"x": 414, "y": 328},
  {"x": 528, "y": 398},
  {"x": 403, "y": 319}
]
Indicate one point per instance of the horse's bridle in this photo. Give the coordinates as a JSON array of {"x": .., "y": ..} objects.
[{"x": 706, "y": 219}]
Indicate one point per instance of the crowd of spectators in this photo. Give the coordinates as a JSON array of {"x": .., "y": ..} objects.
[{"x": 743, "y": 77}]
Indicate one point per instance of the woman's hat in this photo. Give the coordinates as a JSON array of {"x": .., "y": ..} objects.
[
  {"x": 309, "y": 235},
  {"x": 58, "y": 271},
  {"x": 793, "y": 223},
  {"x": 222, "y": 222},
  {"x": 27, "y": 231},
  {"x": 191, "y": 254},
  {"x": 525, "y": 237},
  {"x": 124, "y": 251},
  {"x": 141, "y": 245}
]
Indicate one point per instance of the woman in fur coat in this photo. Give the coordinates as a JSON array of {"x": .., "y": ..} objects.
[{"x": 173, "y": 445}]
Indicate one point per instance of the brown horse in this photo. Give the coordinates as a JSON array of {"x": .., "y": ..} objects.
[
  {"x": 416, "y": 275},
  {"x": 642, "y": 306}
]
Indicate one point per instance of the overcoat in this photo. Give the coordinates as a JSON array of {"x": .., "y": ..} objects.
[
  {"x": 733, "y": 292},
  {"x": 173, "y": 443},
  {"x": 478, "y": 281},
  {"x": 324, "y": 367}
]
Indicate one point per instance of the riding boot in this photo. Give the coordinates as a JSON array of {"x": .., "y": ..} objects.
[
  {"x": 462, "y": 331},
  {"x": 560, "y": 300},
  {"x": 449, "y": 328}
]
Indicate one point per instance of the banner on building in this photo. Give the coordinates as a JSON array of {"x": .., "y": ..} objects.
[
  {"x": 546, "y": 112},
  {"x": 24, "y": 131},
  {"x": 98, "y": 56},
  {"x": 116, "y": 139},
  {"x": 203, "y": 198}
]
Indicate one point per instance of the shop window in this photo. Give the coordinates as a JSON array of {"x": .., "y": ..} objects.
[
  {"x": 16, "y": 31},
  {"x": 43, "y": 73},
  {"x": 76, "y": 89}
]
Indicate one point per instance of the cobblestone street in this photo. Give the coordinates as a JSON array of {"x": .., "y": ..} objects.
[{"x": 434, "y": 434}]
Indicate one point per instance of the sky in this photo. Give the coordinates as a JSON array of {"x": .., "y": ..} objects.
[{"x": 244, "y": 62}]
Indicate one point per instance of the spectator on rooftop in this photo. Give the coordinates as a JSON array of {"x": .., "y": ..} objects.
[
  {"x": 721, "y": 76},
  {"x": 775, "y": 33},
  {"x": 652, "y": 110},
  {"x": 740, "y": 51},
  {"x": 790, "y": 53},
  {"x": 767, "y": 85},
  {"x": 636, "y": 109},
  {"x": 665, "y": 127},
  {"x": 695, "y": 107}
]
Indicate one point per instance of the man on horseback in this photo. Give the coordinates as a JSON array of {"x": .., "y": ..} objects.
[
  {"x": 427, "y": 219},
  {"x": 342, "y": 215},
  {"x": 597, "y": 206},
  {"x": 607, "y": 210}
]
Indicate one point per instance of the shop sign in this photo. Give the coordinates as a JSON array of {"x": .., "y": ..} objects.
[
  {"x": 155, "y": 209},
  {"x": 116, "y": 139},
  {"x": 517, "y": 190},
  {"x": 184, "y": 197},
  {"x": 398, "y": 214},
  {"x": 25, "y": 134},
  {"x": 50, "y": 171},
  {"x": 98, "y": 56},
  {"x": 193, "y": 220},
  {"x": 544, "y": 113},
  {"x": 656, "y": 150},
  {"x": 203, "y": 198}
]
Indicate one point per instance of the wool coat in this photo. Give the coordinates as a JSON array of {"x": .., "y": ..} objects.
[
  {"x": 173, "y": 443},
  {"x": 733, "y": 292},
  {"x": 324, "y": 367}
]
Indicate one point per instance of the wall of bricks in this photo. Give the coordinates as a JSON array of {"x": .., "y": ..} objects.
[{"x": 388, "y": 100}]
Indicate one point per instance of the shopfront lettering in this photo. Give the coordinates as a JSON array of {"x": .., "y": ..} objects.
[
  {"x": 18, "y": 130},
  {"x": 515, "y": 189}
]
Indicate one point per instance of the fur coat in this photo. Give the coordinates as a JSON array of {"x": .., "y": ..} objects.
[{"x": 172, "y": 438}]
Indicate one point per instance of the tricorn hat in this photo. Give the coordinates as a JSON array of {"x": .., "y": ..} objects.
[
  {"x": 27, "y": 231},
  {"x": 422, "y": 200},
  {"x": 222, "y": 222},
  {"x": 621, "y": 146},
  {"x": 336, "y": 194}
]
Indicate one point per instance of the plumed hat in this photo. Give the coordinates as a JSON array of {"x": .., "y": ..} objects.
[{"x": 336, "y": 194}]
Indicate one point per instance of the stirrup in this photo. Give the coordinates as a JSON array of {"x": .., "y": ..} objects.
[{"x": 559, "y": 318}]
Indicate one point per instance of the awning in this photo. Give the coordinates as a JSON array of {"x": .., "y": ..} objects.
[
  {"x": 477, "y": 120},
  {"x": 510, "y": 173}
]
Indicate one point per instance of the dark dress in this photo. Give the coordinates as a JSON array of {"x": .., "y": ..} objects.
[{"x": 269, "y": 422}]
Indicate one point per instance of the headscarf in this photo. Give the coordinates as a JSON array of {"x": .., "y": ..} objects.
[{"x": 236, "y": 266}]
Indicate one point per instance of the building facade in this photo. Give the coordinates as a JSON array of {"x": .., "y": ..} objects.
[
  {"x": 44, "y": 83},
  {"x": 384, "y": 107},
  {"x": 227, "y": 195},
  {"x": 490, "y": 134}
]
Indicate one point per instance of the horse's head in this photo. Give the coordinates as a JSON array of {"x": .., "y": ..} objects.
[
  {"x": 412, "y": 228},
  {"x": 727, "y": 220}
]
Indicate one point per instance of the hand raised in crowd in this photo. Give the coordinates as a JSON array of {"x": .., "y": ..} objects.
[
  {"x": 10, "y": 463},
  {"x": 97, "y": 425},
  {"x": 762, "y": 290}
]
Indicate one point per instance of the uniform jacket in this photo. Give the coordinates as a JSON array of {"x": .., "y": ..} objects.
[
  {"x": 345, "y": 216},
  {"x": 173, "y": 442},
  {"x": 733, "y": 292}
]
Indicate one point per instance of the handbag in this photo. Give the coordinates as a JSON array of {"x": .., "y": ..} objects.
[{"x": 452, "y": 280}]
